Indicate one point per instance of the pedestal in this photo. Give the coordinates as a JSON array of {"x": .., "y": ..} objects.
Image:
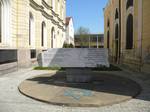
[{"x": 78, "y": 75}]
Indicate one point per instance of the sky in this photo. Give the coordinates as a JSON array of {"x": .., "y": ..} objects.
[{"x": 87, "y": 13}]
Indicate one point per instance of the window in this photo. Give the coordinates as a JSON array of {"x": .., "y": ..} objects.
[
  {"x": 116, "y": 15},
  {"x": 43, "y": 37},
  {"x": 62, "y": 12},
  {"x": 31, "y": 29},
  {"x": 52, "y": 37},
  {"x": 129, "y": 4},
  {"x": 108, "y": 23},
  {"x": 33, "y": 53},
  {"x": 0, "y": 23},
  {"x": 53, "y": 4},
  {"x": 5, "y": 17},
  {"x": 58, "y": 7},
  {"x": 116, "y": 32},
  {"x": 8, "y": 56},
  {"x": 129, "y": 32},
  {"x": 108, "y": 39}
]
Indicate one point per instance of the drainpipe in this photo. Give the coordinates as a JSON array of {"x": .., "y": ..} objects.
[
  {"x": 119, "y": 31},
  {"x": 141, "y": 57}
]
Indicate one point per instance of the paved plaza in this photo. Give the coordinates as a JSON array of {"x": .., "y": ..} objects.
[{"x": 11, "y": 100}]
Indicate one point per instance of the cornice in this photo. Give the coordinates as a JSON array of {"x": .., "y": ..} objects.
[
  {"x": 63, "y": 23},
  {"x": 55, "y": 22},
  {"x": 40, "y": 8},
  {"x": 60, "y": 19},
  {"x": 46, "y": 5},
  {"x": 59, "y": 26},
  {"x": 56, "y": 15},
  {"x": 36, "y": 6},
  {"x": 45, "y": 14}
]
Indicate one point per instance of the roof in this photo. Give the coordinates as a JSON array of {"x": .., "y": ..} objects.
[
  {"x": 91, "y": 35},
  {"x": 67, "y": 20}
]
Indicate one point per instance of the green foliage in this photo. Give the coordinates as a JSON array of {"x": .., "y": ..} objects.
[
  {"x": 98, "y": 68},
  {"x": 68, "y": 45},
  {"x": 83, "y": 35},
  {"x": 48, "y": 68},
  {"x": 104, "y": 68}
]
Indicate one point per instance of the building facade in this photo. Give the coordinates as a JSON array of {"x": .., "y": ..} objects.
[
  {"x": 127, "y": 33},
  {"x": 69, "y": 31},
  {"x": 89, "y": 41},
  {"x": 28, "y": 27}
]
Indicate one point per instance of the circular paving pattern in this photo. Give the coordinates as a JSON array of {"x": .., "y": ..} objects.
[{"x": 104, "y": 89}]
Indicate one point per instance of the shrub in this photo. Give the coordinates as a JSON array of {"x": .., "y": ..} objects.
[{"x": 68, "y": 45}]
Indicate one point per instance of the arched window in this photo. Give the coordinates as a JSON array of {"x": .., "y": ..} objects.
[
  {"x": 62, "y": 12},
  {"x": 53, "y": 4},
  {"x": 5, "y": 17},
  {"x": 129, "y": 32},
  {"x": 116, "y": 14},
  {"x": 108, "y": 39},
  {"x": 108, "y": 23},
  {"x": 52, "y": 37},
  {"x": 0, "y": 22},
  {"x": 116, "y": 32},
  {"x": 58, "y": 7},
  {"x": 44, "y": 35},
  {"x": 31, "y": 30},
  {"x": 129, "y": 4}
]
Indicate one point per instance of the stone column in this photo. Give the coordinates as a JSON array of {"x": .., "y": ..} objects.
[{"x": 22, "y": 33}]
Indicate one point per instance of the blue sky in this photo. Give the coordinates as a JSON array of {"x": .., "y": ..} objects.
[{"x": 87, "y": 13}]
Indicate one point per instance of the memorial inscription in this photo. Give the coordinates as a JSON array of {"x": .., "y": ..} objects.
[{"x": 75, "y": 57}]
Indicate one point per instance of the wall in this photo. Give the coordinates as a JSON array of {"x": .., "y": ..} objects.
[{"x": 18, "y": 20}]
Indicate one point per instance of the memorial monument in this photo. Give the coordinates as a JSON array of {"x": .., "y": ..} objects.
[
  {"x": 78, "y": 61},
  {"x": 78, "y": 85},
  {"x": 74, "y": 58}
]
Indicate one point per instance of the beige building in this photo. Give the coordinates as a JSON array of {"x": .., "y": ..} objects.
[
  {"x": 127, "y": 32},
  {"x": 69, "y": 31},
  {"x": 29, "y": 27}
]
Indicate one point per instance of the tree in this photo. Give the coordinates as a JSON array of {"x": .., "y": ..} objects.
[{"x": 83, "y": 34}]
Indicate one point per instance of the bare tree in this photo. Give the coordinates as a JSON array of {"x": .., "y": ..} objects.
[{"x": 83, "y": 34}]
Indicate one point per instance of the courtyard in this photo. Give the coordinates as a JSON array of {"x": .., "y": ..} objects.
[{"x": 72, "y": 56}]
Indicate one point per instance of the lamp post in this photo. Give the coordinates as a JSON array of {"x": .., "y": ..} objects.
[
  {"x": 97, "y": 41},
  {"x": 89, "y": 42}
]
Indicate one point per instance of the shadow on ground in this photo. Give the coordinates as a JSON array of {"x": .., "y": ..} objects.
[{"x": 101, "y": 82}]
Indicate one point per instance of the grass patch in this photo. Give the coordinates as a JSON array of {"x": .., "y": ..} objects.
[
  {"x": 49, "y": 68},
  {"x": 99, "y": 68},
  {"x": 103, "y": 68}
]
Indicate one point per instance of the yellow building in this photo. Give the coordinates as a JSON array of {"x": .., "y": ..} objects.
[
  {"x": 28, "y": 27},
  {"x": 127, "y": 32}
]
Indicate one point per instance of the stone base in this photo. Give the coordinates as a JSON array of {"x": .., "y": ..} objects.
[
  {"x": 105, "y": 89},
  {"x": 8, "y": 68},
  {"x": 78, "y": 75},
  {"x": 24, "y": 60}
]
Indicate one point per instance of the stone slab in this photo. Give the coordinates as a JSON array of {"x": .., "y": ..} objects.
[
  {"x": 74, "y": 57},
  {"x": 8, "y": 68}
]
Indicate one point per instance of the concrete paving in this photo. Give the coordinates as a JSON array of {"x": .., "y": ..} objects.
[{"x": 12, "y": 101}]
